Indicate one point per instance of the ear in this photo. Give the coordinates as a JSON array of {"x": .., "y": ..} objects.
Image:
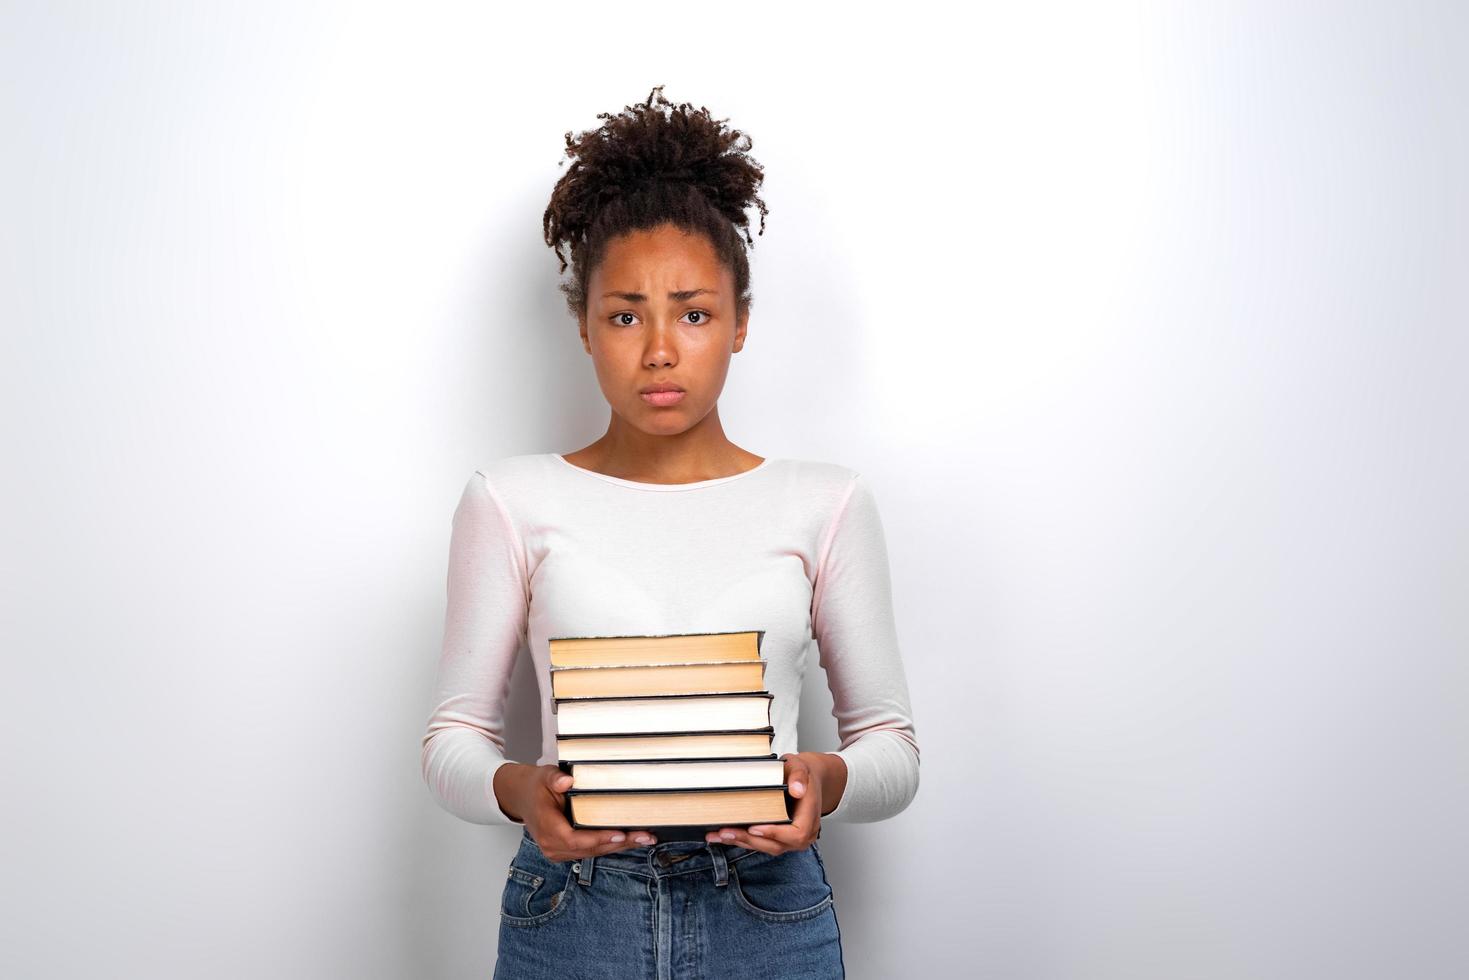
[
  {"x": 581, "y": 326},
  {"x": 741, "y": 325}
]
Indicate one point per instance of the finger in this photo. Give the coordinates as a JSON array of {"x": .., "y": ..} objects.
[
  {"x": 789, "y": 835},
  {"x": 798, "y": 781},
  {"x": 806, "y": 811},
  {"x": 798, "y": 777},
  {"x": 560, "y": 837},
  {"x": 632, "y": 838},
  {"x": 742, "y": 839},
  {"x": 571, "y": 840},
  {"x": 800, "y": 831},
  {"x": 806, "y": 814},
  {"x": 616, "y": 840},
  {"x": 774, "y": 839},
  {"x": 590, "y": 842}
]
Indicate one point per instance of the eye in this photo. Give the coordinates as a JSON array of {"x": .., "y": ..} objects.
[
  {"x": 699, "y": 313},
  {"x": 618, "y": 321}
]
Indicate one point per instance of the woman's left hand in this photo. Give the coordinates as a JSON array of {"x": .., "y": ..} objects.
[{"x": 803, "y": 776}]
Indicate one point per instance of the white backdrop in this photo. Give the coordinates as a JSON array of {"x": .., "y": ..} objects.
[{"x": 1148, "y": 326}]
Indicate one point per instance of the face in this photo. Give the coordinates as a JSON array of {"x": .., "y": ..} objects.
[{"x": 661, "y": 309}]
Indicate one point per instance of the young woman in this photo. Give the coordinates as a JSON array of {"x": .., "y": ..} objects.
[{"x": 663, "y": 525}]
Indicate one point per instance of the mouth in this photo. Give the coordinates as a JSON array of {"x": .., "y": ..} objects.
[{"x": 661, "y": 395}]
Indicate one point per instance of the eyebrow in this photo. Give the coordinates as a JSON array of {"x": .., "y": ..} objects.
[{"x": 678, "y": 295}]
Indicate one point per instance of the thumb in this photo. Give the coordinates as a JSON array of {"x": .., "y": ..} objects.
[{"x": 559, "y": 781}]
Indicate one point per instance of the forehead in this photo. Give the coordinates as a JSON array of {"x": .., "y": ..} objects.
[{"x": 662, "y": 256}]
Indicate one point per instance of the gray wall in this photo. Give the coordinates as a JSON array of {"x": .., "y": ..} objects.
[{"x": 1148, "y": 327}]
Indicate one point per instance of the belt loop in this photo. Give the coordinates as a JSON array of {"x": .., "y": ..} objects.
[
  {"x": 721, "y": 866},
  {"x": 583, "y": 869}
]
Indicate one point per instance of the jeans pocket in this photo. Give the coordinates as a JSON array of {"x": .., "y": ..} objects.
[
  {"x": 785, "y": 887},
  {"x": 530, "y": 899}
]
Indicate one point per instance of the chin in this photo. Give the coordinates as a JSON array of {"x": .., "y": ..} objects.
[{"x": 662, "y": 421}]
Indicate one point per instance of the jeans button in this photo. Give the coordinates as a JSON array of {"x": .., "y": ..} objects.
[{"x": 576, "y": 867}]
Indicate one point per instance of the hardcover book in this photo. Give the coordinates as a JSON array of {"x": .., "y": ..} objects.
[
  {"x": 726, "y": 773},
  {"x": 612, "y": 680},
  {"x": 606, "y": 651},
  {"x": 662, "y": 713},
  {"x": 750, "y": 744}
]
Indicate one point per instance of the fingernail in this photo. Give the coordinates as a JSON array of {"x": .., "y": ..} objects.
[
  {"x": 798, "y": 786},
  {"x": 757, "y": 833},
  {"x": 644, "y": 839},
  {"x": 618, "y": 838},
  {"x": 727, "y": 834}
]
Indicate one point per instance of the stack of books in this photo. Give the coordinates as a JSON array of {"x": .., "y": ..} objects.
[{"x": 671, "y": 733}]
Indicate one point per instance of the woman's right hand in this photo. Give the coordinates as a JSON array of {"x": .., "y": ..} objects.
[{"x": 536, "y": 796}]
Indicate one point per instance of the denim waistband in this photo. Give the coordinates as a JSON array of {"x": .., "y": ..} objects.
[{"x": 662, "y": 859}]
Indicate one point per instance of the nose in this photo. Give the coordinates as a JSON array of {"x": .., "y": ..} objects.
[{"x": 660, "y": 351}]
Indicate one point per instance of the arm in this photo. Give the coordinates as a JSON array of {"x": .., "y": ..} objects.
[
  {"x": 853, "y": 622},
  {"x": 484, "y": 626}
]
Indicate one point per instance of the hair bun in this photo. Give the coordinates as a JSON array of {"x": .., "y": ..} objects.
[
  {"x": 646, "y": 148},
  {"x": 652, "y": 163}
]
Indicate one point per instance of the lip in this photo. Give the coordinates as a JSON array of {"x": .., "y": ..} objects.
[
  {"x": 663, "y": 397},
  {"x": 660, "y": 386}
]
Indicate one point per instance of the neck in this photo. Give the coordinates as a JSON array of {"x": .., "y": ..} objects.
[{"x": 702, "y": 452}]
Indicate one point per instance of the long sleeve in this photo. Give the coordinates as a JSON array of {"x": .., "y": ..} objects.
[
  {"x": 484, "y": 627},
  {"x": 852, "y": 620}
]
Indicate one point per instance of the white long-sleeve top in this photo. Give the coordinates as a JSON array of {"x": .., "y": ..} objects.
[{"x": 541, "y": 547}]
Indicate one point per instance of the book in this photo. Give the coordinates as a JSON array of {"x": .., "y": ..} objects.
[
  {"x": 753, "y": 743},
  {"x": 627, "y": 651},
  {"x": 669, "y": 713},
  {"x": 723, "y": 773},
  {"x": 671, "y": 811},
  {"x": 664, "y": 678}
]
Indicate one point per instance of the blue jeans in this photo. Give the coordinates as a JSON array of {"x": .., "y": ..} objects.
[{"x": 675, "y": 910}]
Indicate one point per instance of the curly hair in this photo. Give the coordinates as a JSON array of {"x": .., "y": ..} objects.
[{"x": 643, "y": 168}]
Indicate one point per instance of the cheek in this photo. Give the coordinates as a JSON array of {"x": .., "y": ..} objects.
[
  {"x": 611, "y": 358},
  {"x": 714, "y": 362}
]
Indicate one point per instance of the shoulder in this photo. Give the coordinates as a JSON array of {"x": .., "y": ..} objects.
[
  {"x": 826, "y": 485},
  {"x": 819, "y": 476},
  {"x": 511, "y": 474},
  {"x": 508, "y": 484},
  {"x": 824, "y": 490},
  {"x": 819, "y": 470}
]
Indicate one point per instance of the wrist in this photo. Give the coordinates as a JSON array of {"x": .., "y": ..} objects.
[
  {"x": 509, "y": 788},
  {"x": 831, "y": 769}
]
